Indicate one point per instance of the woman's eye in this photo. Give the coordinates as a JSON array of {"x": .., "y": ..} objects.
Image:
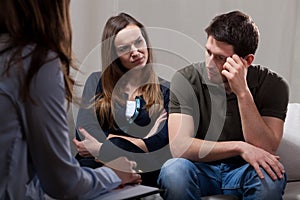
[
  {"x": 123, "y": 49},
  {"x": 138, "y": 42}
]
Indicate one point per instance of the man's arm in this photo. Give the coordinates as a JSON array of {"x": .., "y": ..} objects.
[
  {"x": 183, "y": 144},
  {"x": 263, "y": 132}
]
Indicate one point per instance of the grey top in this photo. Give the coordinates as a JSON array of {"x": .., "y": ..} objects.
[{"x": 35, "y": 150}]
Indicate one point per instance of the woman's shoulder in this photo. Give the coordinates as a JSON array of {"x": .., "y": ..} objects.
[
  {"x": 165, "y": 90},
  {"x": 93, "y": 78},
  {"x": 164, "y": 85}
]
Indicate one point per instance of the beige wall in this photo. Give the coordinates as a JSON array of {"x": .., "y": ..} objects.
[
  {"x": 185, "y": 20},
  {"x": 176, "y": 33}
]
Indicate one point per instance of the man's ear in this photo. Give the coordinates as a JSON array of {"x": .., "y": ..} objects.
[{"x": 249, "y": 58}]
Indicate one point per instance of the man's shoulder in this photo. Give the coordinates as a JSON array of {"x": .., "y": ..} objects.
[
  {"x": 259, "y": 74},
  {"x": 193, "y": 70},
  {"x": 270, "y": 91},
  {"x": 262, "y": 70}
]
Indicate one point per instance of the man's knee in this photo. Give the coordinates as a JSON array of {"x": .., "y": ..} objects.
[
  {"x": 265, "y": 188},
  {"x": 273, "y": 188},
  {"x": 175, "y": 170}
]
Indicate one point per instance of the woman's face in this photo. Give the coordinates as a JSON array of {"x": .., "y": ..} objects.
[{"x": 131, "y": 47}]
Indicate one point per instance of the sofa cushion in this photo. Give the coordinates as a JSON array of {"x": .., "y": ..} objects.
[
  {"x": 292, "y": 191},
  {"x": 289, "y": 148}
]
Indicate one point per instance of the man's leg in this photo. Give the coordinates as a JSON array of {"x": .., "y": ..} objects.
[
  {"x": 245, "y": 183},
  {"x": 183, "y": 179},
  {"x": 256, "y": 188}
]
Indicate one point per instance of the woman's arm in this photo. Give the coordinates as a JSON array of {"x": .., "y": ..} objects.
[
  {"x": 48, "y": 142},
  {"x": 87, "y": 117},
  {"x": 157, "y": 137},
  {"x": 160, "y": 138}
]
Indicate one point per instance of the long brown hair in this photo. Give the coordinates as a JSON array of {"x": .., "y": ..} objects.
[
  {"x": 43, "y": 24},
  {"x": 112, "y": 69}
]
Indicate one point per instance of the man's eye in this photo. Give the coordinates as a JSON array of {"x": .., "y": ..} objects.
[{"x": 221, "y": 58}]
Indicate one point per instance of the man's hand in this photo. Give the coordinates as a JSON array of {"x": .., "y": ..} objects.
[
  {"x": 258, "y": 157},
  {"x": 90, "y": 146},
  {"x": 235, "y": 70},
  {"x": 125, "y": 170}
]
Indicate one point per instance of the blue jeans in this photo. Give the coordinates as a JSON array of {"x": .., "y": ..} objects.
[{"x": 183, "y": 179}]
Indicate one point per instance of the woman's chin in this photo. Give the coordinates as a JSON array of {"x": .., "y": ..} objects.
[{"x": 139, "y": 67}]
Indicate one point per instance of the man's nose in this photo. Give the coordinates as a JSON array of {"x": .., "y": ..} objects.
[{"x": 210, "y": 61}]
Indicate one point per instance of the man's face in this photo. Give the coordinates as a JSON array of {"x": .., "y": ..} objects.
[{"x": 215, "y": 57}]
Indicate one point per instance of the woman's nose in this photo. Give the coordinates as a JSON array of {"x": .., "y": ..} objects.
[{"x": 134, "y": 50}]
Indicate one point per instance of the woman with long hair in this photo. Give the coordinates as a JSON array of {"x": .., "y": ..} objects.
[
  {"x": 130, "y": 102},
  {"x": 35, "y": 61}
]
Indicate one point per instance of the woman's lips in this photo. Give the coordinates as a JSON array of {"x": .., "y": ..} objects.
[{"x": 138, "y": 60}]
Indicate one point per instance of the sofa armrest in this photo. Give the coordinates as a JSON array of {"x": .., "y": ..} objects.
[{"x": 289, "y": 148}]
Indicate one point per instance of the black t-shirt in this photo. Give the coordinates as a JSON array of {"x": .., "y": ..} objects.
[{"x": 215, "y": 113}]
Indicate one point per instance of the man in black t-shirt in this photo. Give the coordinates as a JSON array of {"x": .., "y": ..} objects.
[{"x": 226, "y": 119}]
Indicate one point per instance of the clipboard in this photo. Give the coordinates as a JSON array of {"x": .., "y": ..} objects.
[{"x": 130, "y": 192}]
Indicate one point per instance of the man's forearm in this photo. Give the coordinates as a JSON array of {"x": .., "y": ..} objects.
[
  {"x": 255, "y": 129},
  {"x": 203, "y": 150}
]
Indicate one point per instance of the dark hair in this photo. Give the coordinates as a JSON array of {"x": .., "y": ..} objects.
[
  {"x": 45, "y": 25},
  {"x": 237, "y": 29}
]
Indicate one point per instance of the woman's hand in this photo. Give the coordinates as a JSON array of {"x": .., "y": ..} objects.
[
  {"x": 125, "y": 170},
  {"x": 90, "y": 146}
]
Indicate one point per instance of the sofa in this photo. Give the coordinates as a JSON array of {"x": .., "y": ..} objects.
[{"x": 289, "y": 152}]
